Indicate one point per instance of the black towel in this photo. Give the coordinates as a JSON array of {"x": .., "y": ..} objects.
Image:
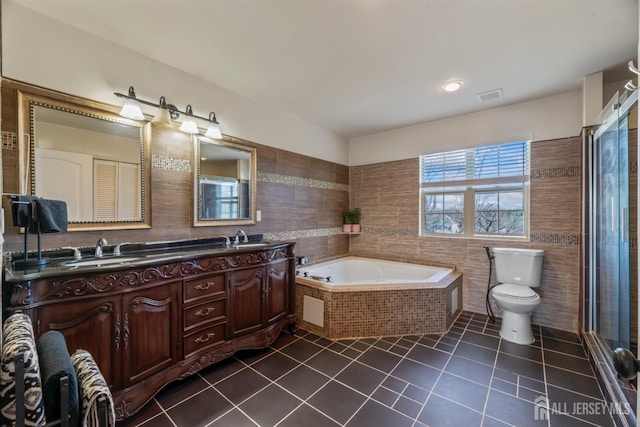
[
  {"x": 55, "y": 363},
  {"x": 51, "y": 215},
  {"x": 20, "y": 207}
]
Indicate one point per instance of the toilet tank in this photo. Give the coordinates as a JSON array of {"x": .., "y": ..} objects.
[{"x": 519, "y": 266}]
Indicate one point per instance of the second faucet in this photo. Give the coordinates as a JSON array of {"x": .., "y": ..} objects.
[{"x": 237, "y": 239}]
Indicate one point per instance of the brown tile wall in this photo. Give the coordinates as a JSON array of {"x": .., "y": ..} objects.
[
  {"x": 290, "y": 206},
  {"x": 388, "y": 195}
]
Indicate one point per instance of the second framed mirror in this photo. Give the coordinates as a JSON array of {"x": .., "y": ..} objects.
[{"x": 224, "y": 184}]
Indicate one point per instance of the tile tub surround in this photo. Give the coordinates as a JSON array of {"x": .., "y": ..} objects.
[
  {"x": 465, "y": 377},
  {"x": 374, "y": 313},
  {"x": 388, "y": 196}
]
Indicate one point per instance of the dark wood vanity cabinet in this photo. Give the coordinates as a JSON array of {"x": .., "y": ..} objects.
[
  {"x": 146, "y": 325},
  {"x": 150, "y": 337},
  {"x": 131, "y": 336},
  {"x": 93, "y": 325},
  {"x": 259, "y": 296},
  {"x": 277, "y": 292},
  {"x": 247, "y": 295},
  {"x": 204, "y": 313}
]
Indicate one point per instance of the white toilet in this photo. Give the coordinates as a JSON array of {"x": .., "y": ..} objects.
[{"x": 517, "y": 271}]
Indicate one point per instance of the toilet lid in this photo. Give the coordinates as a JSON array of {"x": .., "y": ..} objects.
[{"x": 515, "y": 291}]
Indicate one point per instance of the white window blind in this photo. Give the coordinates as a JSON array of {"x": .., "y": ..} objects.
[
  {"x": 481, "y": 191},
  {"x": 510, "y": 160}
]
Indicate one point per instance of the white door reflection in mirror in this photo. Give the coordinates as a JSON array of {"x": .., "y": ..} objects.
[{"x": 92, "y": 164}]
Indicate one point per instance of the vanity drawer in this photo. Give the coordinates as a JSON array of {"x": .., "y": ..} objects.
[
  {"x": 204, "y": 286},
  {"x": 205, "y": 338},
  {"x": 204, "y": 313}
]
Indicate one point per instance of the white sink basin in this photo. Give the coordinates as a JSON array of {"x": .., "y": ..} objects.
[{"x": 98, "y": 262}]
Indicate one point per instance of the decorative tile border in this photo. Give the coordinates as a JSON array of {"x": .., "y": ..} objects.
[
  {"x": 169, "y": 163},
  {"x": 301, "y": 234},
  {"x": 555, "y": 239},
  {"x": 300, "y": 181},
  {"x": 567, "y": 172},
  {"x": 384, "y": 231},
  {"x": 9, "y": 140}
]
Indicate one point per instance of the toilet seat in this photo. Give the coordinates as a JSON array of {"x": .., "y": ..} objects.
[{"x": 518, "y": 292}]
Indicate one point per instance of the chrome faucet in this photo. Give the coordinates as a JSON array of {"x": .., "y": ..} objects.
[
  {"x": 116, "y": 250},
  {"x": 227, "y": 241},
  {"x": 244, "y": 240},
  {"x": 99, "y": 246},
  {"x": 76, "y": 252}
]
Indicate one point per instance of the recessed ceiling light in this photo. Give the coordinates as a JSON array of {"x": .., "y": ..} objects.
[{"x": 452, "y": 86}]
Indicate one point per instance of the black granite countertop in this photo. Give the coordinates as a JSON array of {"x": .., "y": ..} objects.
[{"x": 131, "y": 256}]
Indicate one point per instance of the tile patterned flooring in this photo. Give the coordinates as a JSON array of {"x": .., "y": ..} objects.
[{"x": 465, "y": 377}]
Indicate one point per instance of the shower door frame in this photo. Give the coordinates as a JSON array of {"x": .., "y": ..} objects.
[
  {"x": 620, "y": 221},
  {"x": 600, "y": 352}
]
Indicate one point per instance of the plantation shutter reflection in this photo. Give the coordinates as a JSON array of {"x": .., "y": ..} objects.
[
  {"x": 105, "y": 182},
  {"x": 116, "y": 191},
  {"x": 128, "y": 192}
]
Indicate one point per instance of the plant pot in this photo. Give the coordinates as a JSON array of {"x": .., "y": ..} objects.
[
  {"x": 355, "y": 228},
  {"x": 346, "y": 228}
]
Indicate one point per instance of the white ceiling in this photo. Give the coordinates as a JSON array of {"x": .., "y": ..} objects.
[{"x": 359, "y": 67}]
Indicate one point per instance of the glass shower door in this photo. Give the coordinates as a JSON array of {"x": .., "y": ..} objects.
[{"x": 610, "y": 233}]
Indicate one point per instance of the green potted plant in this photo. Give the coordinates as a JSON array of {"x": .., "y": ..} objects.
[{"x": 351, "y": 220}]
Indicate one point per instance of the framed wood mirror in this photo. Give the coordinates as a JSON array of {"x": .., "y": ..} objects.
[
  {"x": 224, "y": 183},
  {"x": 84, "y": 153}
]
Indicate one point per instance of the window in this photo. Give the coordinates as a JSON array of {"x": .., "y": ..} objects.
[{"x": 480, "y": 191}]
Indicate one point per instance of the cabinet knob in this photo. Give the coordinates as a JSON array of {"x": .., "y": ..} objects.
[
  {"x": 204, "y": 313},
  {"x": 205, "y": 339}
]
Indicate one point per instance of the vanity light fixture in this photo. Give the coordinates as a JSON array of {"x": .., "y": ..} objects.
[
  {"x": 213, "y": 131},
  {"x": 452, "y": 86},
  {"x": 131, "y": 108},
  {"x": 163, "y": 116},
  {"x": 167, "y": 114},
  {"x": 189, "y": 124}
]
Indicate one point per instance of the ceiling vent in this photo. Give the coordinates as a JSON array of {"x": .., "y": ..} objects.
[{"x": 490, "y": 95}]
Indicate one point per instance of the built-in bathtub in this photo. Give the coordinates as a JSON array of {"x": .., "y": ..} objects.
[{"x": 362, "y": 297}]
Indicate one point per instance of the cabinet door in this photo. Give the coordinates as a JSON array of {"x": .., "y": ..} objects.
[
  {"x": 93, "y": 325},
  {"x": 150, "y": 339},
  {"x": 246, "y": 299},
  {"x": 276, "y": 301}
]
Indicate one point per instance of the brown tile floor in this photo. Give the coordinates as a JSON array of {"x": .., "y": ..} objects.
[{"x": 466, "y": 377}]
